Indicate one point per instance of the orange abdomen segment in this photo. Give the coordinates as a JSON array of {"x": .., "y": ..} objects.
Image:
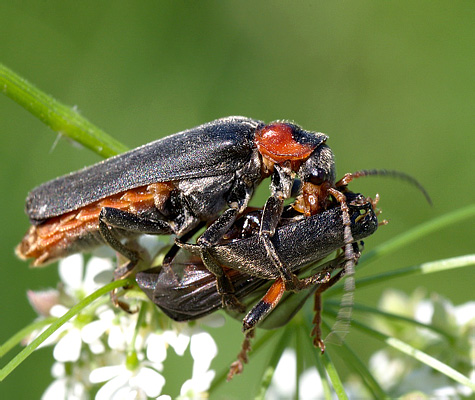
[{"x": 78, "y": 230}]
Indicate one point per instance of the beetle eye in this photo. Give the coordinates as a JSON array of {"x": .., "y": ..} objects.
[{"x": 318, "y": 176}]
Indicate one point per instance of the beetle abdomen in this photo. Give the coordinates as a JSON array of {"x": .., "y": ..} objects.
[{"x": 78, "y": 230}]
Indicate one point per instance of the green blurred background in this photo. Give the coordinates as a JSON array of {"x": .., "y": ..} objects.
[{"x": 391, "y": 83}]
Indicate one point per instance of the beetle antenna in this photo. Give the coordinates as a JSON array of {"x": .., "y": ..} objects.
[
  {"x": 347, "y": 178},
  {"x": 341, "y": 326}
]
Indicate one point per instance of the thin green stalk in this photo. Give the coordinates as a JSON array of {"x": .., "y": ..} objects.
[
  {"x": 60, "y": 118},
  {"x": 263, "y": 340},
  {"x": 424, "y": 268},
  {"x": 23, "y": 333},
  {"x": 334, "y": 377},
  {"x": 434, "y": 225},
  {"x": 305, "y": 327},
  {"x": 271, "y": 366},
  {"x": 416, "y": 354},
  {"x": 138, "y": 325},
  {"x": 372, "y": 310},
  {"x": 360, "y": 368},
  {"x": 300, "y": 357},
  {"x": 20, "y": 357}
]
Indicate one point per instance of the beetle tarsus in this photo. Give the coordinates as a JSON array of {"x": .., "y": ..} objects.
[{"x": 242, "y": 358}]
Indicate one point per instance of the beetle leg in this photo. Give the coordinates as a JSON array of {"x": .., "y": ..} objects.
[
  {"x": 210, "y": 237},
  {"x": 170, "y": 255},
  {"x": 270, "y": 218},
  {"x": 317, "y": 319},
  {"x": 224, "y": 285},
  {"x": 238, "y": 365},
  {"x": 281, "y": 188},
  {"x": 110, "y": 218},
  {"x": 134, "y": 223},
  {"x": 218, "y": 228},
  {"x": 265, "y": 306}
]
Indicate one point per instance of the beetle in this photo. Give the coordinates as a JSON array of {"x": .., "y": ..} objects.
[
  {"x": 176, "y": 184},
  {"x": 184, "y": 289}
]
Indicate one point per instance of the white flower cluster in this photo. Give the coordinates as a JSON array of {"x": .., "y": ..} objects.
[
  {"x": 106, "y": 351},
  {"x": 400, "y": 376},
  {"x": 403, "y": 377}
]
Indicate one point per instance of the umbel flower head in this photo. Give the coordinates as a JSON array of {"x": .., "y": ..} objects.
[{"x": 109, "y": 352}]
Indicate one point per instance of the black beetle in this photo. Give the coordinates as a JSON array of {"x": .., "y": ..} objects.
[{"x": 185, "y": 289}]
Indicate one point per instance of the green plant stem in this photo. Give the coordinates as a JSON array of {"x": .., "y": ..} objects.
[
  {"x": 305, "y": 327},
  {"x": 263, "y": 340},
  {"x": 21, "y": 334},
  {"x": 20, "y": 357},
  {"x": 425, "y": 268},
  {"x": 416, "y": 354},
  {"x": 359, "y": 367},
  {"x": 60, "y": 118},
  {"x": 434, "y": 225},
  {"x": 334, "y": 377},
  {"x": 271, "y": 366},
  {"x": 367, "y": 309},
  {"x": 138, "y": 325}
]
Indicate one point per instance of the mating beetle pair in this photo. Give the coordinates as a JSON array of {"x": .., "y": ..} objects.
[
  {"x": 175, "y": 184},
  {"x": 178, "y": 184}
]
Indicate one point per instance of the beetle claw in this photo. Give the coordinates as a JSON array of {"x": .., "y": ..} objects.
[{"x": 231, "y": 302}]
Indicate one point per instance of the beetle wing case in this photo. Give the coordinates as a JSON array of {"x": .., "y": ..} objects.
[
  {"x": 211, "y": 149},
  {"x": 297, "y": 244},
  {"x": 186, "y": 290}
]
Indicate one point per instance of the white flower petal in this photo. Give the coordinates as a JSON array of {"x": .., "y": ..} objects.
[
  {"x": 424, "y": 312},
  {"x": 68, "y": 347},
  {"x": 56, "y": 390},
  {"x": 97, "y": 347},
  {"x": 58, "y": 310},
  {"x": 58, "y": 370},
  {"x": 465, "y": 313},
  {"x": 93, "y": 331},
  {"x": 178, "y": 342},
  {"x": 71, "y": 271},
  {"x": 164, "y": 397},
  {"x": 103, "y": 374},
  {"x": 50, "y": 340},
  {"x": 195, "y": 387},
  {"x": 283, "y": 380},
  {"x": 156, "y": 348},
  {"x": 128, "y": 393},
  {"x": 385, "y": 369},
  {"x": 106, "y": 313},
  {"x": 215, "y": 320},
  {"x": 149, "y": 380},
  {"x": 311, "y": 385},
  {"x": 117, "y": 339},
  {"x": 203, "y": 349},
  {"x": 110, "y": 389},
  {"x": 98, "y": 272}
]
